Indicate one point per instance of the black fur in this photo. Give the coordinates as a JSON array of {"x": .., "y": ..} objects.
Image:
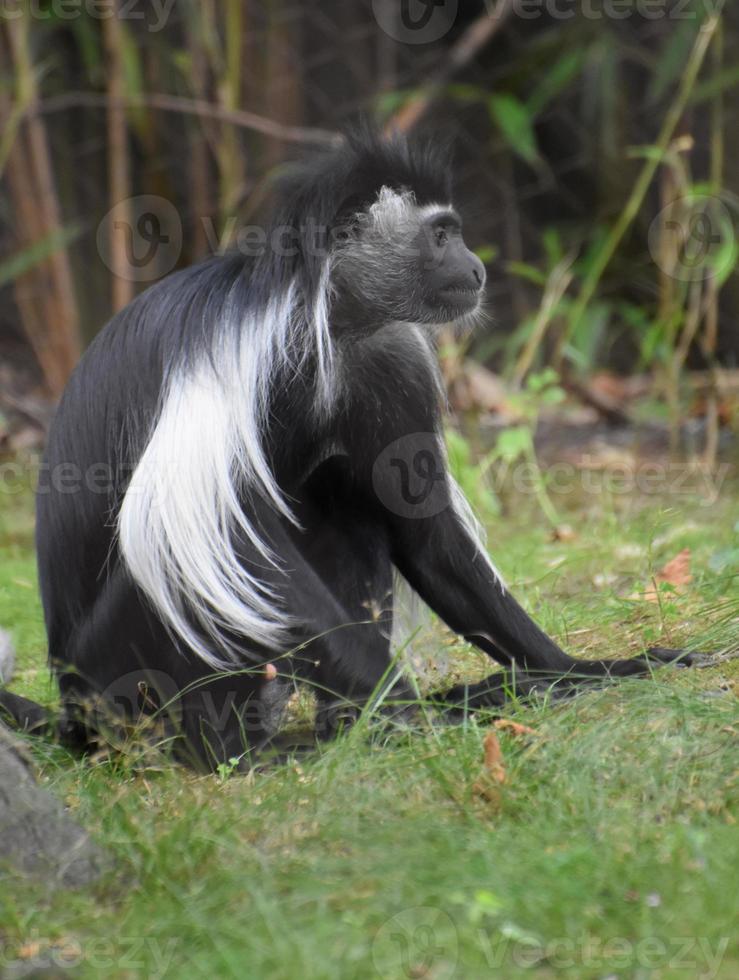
[{"x": 335, "y": 578}]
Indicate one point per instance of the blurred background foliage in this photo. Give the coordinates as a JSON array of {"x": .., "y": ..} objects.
[{"x": 594, "y": 146}]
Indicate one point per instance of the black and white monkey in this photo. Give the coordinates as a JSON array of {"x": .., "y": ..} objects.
[{"x": 250, "y": 450}]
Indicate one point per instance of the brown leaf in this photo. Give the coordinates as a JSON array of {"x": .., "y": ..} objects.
[
  {"x": 513, "y": 727},
  {"x": 564, "y": 532},
  {"x": 610, "y": 386},
  {"x": 675, "y": 573},
  {"x": 29, "y": 950},
  {"x": 493, "y": 757},
  {"x": 493, "y": 774}
]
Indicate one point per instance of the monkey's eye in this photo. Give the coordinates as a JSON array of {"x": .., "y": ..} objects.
[{"x": 440, "y": 236}]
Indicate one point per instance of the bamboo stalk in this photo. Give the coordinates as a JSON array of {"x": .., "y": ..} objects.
[
  {"x": 45, "y": 296},
  {"x": 709, "y": 340},
  {"x": 199, "y": 157},
  {"x": 193, "y": 107},
  {"x": 119, "y": 179},
  {"x": 230, "y": 154},
  {"x": 557, "y": 285},
  {"x": 283, "y": 72}
]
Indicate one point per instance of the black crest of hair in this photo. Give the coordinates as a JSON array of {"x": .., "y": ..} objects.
[
  {"x": 316, "y": 194},
  {"x": 350, "y": 176},
  {"x": 266, "y": 520}
]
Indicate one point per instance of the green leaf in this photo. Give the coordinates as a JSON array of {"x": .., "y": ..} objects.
[
  {"x": 651, "y": 342},
  {"x": 591, "y": 331},
  {"x": 724, "y": 260},
  {"x": 516, "y": 125},
  {"x": 133, "y": 79},
  {"x": 513, "y": 443},
  {"x": 552, "y": 246},
  {"x": 672, "y": 58},
  {"x": 542, "y": 379},
  {"x": 88, "y": 43},
  {"x": 487, "y": 253},
  {"x": 529, "y": 272},
  {"x": 722, "y": 561},
  {"x": 509, "y": 930},
  {"x": 555, "y": 81},
  {"x": 388, "y": 103},
  {"x": 721, "y": 82},
  {"x": 645, "y": 153},
  {"x": 466, "y": 93}
]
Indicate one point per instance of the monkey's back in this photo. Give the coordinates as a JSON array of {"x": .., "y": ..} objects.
[{"x": 100, "y": 428}]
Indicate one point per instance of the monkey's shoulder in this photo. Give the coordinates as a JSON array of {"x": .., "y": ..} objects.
[{"x": 398, "y": 352}]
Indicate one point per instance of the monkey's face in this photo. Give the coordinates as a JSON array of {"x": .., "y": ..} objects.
[
  {"x": 452, "y": 277},
  {"x": 399, "y": 261}
]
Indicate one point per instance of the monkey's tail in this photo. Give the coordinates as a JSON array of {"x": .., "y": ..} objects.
[
  {"x": 25, "y": 715},
  {"x": 16, "y": 711}
]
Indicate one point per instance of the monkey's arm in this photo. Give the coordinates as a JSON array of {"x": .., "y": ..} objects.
[
  {"x": 400, "y": 469},
  {"x": 443, "y": 563}
]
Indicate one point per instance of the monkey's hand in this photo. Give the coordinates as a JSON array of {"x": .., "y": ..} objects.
[
  {"x": 687, "y": 658},
  {"x": 661, "y": 656}
]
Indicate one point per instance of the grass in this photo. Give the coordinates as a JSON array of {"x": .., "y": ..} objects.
[{"x": 610, "y": 850}]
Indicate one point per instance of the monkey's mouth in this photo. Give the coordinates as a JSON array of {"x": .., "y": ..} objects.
[{"x": 460, "y": 299}]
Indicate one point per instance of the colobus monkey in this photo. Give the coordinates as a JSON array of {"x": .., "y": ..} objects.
[{"x": 248, "y": 451}]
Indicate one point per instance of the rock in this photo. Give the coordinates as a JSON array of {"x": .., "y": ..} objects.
[
  {"x": 37, "y": 968},
  {"x": 7, "y": 657},
  {"x": 37, "y": 835}
]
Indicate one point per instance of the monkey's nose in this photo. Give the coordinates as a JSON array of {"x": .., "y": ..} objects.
[{"x": 478, "y": 271}]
